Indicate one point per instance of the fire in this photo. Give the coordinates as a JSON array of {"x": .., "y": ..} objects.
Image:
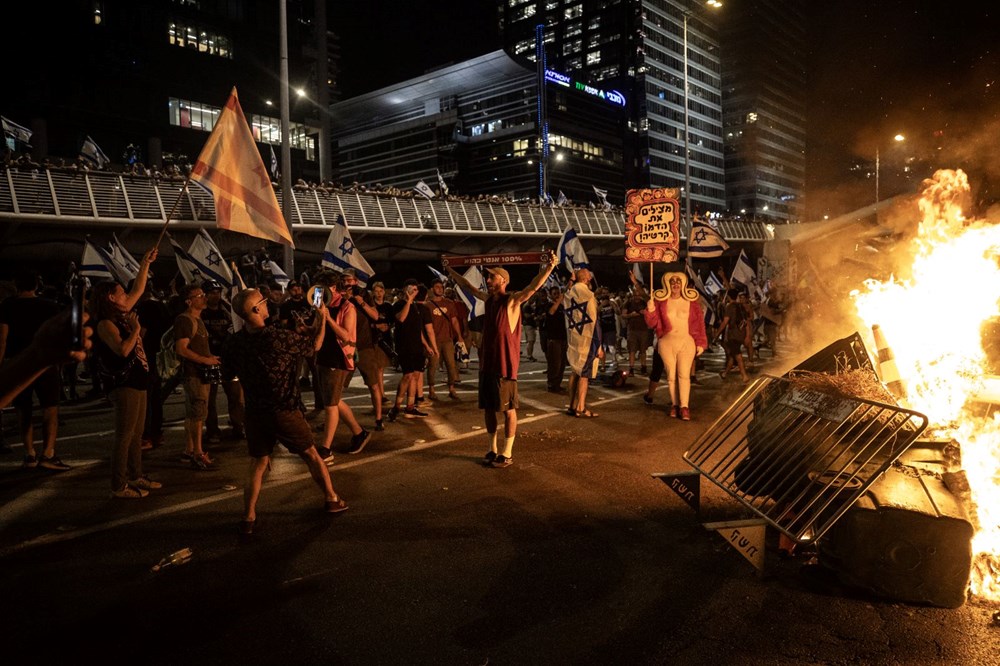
[{"x": 932, "y": 320}]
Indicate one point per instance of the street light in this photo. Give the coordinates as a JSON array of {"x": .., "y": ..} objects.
[
  {"x": 714, "y": 4},
  {"x": 899, "y": 138}
]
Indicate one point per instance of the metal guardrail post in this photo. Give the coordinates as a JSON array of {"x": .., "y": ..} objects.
[
  {"x": 127, "y": 198},
  {"x": 55, "y": 198}
]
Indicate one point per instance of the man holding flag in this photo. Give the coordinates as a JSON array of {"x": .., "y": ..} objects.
[
  {"x": 570, "y": 251},
  {"x": 500, "y": 354}
]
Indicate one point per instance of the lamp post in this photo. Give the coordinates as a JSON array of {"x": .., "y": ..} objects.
[
  {"x": 714, "y": 4},
  {"x": 899, "y": 138}
]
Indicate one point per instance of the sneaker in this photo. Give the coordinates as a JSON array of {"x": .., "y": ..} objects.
[
  {"x": 648, "y": 399},
  {"x": 53, "y": 463},
  {"x": 325, "y": 454},
  {"x": 335, "y": 506},
  {"x": 393, "y": 413},
  {"x": 673, "y": 411},
  {"x": 489, "y": 458},
  {"x": 414, "y": 412},
  {"x": 358, "y": 441},
  {"x": 379, "y": 425},
  {"x": 30, "y": 462},
  {"x": 685, "y": 414},
  {"x": 201, "y": 462},
  {"x": 145, "y": 483},
  {"x": 128, "y": 492},
  {"x": 502, "y": 461}
]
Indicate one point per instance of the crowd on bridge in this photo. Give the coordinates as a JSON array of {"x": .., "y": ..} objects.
[{"x": 264, "y": 344}]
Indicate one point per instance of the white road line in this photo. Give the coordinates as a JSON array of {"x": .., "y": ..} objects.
[{"x": 58, "y": 537}]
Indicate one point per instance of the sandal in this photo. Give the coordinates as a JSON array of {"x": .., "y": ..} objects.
[
  {"x": 587, "y": 414},
  {"x": 335, "y": 506}
]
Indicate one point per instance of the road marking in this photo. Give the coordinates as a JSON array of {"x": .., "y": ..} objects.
[{"x": 59, "y": 537}]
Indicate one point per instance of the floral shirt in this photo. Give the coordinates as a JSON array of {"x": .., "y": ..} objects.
[{"x": 267, "y": 362}]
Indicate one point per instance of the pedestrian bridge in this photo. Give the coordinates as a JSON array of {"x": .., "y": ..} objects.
[{"x": 105, "y": 199}]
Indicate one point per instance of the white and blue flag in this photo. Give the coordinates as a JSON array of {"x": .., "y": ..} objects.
[
  {"x": 97, "y": 263},
  {"x": 424, "y": 189},
  {"x": 93, "y": 154},
  {"x": 705, "y": 242},
  {"x": 278, "y": 275},
  {"x": 341, "y": 253},
  {"x": 123, "y": 257},
  {"x": 743, "y": 272},
  {"x": 713, "y": 285},
  {"x": 570, "y": 251},
  {"x": 475, "y": 277},
  {"x": 583, "y": 335},
  {"x": 209, "y": 260}
]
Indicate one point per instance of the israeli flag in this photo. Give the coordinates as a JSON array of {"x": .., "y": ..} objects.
[
  {"x": 277, "y": 274},
  {"x": 275, "y": 173},
  {"x": 12, "y": 129},
  {"x": 438, "y": 275},
  {"x": 475, "y": 277},
  {"x": 98, "y": 263},
  {"x": 713, "y": 285},
  {"x": 209, "y": 259},
  {"x": 341, "y": 253},
  {"x": 570, "y": 251},
  {"x": 442, "y": 185},
  {"x": 423, "y": 188},
  {"x": 123, "y": 257},
  {"x": 743, "y": 272},
  {"x": 705, "y": 242},
  {"x": 562, "y": 200},
  {"x": 92, "y": 153}
]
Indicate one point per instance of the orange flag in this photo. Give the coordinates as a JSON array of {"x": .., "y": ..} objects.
[{"x": 231, "y": 169}]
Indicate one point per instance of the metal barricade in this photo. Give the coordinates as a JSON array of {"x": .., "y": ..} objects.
[{"x": 799, "y": 458}]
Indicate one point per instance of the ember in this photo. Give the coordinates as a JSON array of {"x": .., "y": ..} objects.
[{"x": 933, "y": 319}]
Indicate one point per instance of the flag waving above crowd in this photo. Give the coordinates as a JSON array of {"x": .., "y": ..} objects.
[
  {"x": 231, "y": 169},
  {"x": 92, "y": 153},
  {"x": 706, "y": 242},
  {"x": 341, "y": 253},
  {"x": 570, "y": 251}
]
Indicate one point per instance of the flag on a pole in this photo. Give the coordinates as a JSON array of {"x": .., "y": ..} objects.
[
  {"x": 475, "y": 306},
  {"x": 12, "y": 129},
  {"x": 561, "y": 199},
  {"x": 713, "y": 285},
  {"x": 123, "y": 257},
  {"x": 601, "y": 194},
  {"x": 99, "y": 264},
  {"x": 442, "y": 185},
  {"x": 438, "y": 275},
  {"x": 275, "y": 171},
  {"x": 189, "y": 269},
  {"x": 570, "y": 251},
  {"x": 92, "y": 153},
  {"x": 705, "y": 242},
  {"x": 277, "y": 274},
  {"x": 230, "y": 167},
  {"x": 423, "y": 188},
  {"x": 209, "y": 259},
  {"x": 341, "y": 253},
  {"x": 743, "y": 272},
  {"x": 637, "y": 272}
]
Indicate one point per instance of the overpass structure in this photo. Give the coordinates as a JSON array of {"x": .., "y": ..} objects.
[{"x": 53, "y": 207}]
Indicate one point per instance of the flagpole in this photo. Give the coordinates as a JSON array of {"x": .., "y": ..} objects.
[
  {"x": 172, "y": 211},
  {"x": 236, "y": 272}
]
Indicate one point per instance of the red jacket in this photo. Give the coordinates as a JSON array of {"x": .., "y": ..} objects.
[{"x": 657, "y": 320}]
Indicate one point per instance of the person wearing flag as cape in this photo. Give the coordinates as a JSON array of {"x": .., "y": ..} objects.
[
  {"x": 584, "y": 341},
  {"x": 674, "y": 313},
  {"x": 500, "y": 354}
]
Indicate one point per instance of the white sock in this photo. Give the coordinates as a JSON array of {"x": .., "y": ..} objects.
[
  {"x": 508, "y": 446},
  {"x": 491, "y": 437}
]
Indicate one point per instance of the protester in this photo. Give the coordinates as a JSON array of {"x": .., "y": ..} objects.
[
  {"x": 447, "y": 333},
  {"x": 372, "y": 325},
  {"x": 50, "y": 347},
  {"x": 679, "y": 323},
  {"x": 124, "y": 365},
  {"x": 639, "y": 337},
  {"x": 266, "y": 358},
  {"x": 500, "y": 354},
  {"x": 21, "y": 317},
  {"x": 555, "y": 341},
  {"x": 191, "y": 343},
  {"x": 415, "y": 342},
  {"x": 218, "y": 319},
  {"x": 585, "y": 348},
  {"x": 733, "y": 329},
  {"x": 335, "y": 346},
  {"x": 154, "y": 320}
]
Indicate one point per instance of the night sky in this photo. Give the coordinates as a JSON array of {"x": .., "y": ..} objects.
[{"x": 928, "y": 70}]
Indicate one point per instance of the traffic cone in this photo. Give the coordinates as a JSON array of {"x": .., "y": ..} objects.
[{"x": 887, "y": 364}]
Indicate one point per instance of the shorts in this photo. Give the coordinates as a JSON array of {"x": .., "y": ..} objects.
[
  {"x": 332, "y": 382},
  {"x": 370, "y": 362},
  {"x": 195, "y": 399},
  {"x": 496, "y": 393},
  {"x": 639, "y": 341},
  {"x": 48, "y": 388},
  {"x": 265, "y": 429},
  {"x": 733, "y": 347},
  {"x": 412, "y": 362}
]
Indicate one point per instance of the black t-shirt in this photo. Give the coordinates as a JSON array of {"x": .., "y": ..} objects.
[
  {"x": 24, "y": 316},
  {"x": 267, "y": 362},
  {"x": 331, "y": 354},
  {"x": 219, "y": 324},
  {"x": 409, "y": 332},
  {"x": 291, "y": 308},
  {"x": 555, "y": 324},
  {"x": 155, "y": 318}
]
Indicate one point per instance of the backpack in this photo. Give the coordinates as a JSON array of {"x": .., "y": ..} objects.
[{"x": 168, "y": 364}]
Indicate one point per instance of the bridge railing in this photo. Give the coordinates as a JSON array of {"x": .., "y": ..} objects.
[{"x": 114, "y": 199}]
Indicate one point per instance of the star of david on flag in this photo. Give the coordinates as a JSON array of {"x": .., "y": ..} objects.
[
  {"x": 577, "y": 316},
  {"x": 341, "y": 253}
]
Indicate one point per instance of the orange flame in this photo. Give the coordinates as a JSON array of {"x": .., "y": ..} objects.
[{"x": 932, "y": 320}]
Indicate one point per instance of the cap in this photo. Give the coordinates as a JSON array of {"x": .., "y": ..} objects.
[
  {"x": 211, "y": 285},
  {"x": 500, "y": 272}
]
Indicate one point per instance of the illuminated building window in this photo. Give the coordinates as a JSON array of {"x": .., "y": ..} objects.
[
  {"x": 190, "y": 37},
  {"x": 594, "y": 57},
  {"x": 573, "y": 12}
]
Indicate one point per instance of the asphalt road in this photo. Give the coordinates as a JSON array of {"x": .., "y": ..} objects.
[{"x": 575, "y": 554}]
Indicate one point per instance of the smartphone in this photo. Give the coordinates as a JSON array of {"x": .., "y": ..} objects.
[
  {"x": 317, "y": 297},
  {"x": 77, "y": 293}
]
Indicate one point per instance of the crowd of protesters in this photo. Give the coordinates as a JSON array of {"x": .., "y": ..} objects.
[{"x": 415, "y": 329}]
